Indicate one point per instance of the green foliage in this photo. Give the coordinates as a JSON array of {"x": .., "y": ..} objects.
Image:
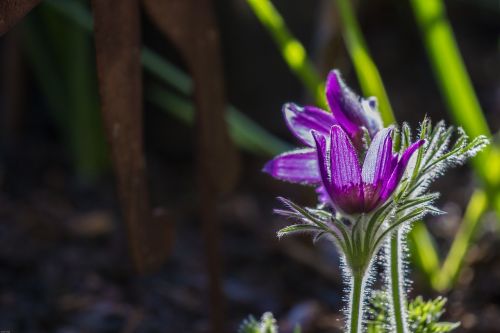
[
  {"x": 291, "y": 49},
  {"x": 453, "y": 79},
  {"x": 60, "y": 55},
  {"x": 266, "y": 324},
  {"x": 458, "y": 92},
  {"x": 423, "y": 316},
  {"x": 366, "y": 70}
]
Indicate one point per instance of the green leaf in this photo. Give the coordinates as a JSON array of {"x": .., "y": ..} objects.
[
  {"x": 267, "y": 324},
  {"x": 423, "y": 316},
  {"x": 294, "y": 228}
]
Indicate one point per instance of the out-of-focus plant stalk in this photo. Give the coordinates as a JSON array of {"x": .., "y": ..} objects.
[
  {"x": 366, "y": 70},
  {"x": 454, "y": 81},
  {"x": 65, "y": 77},
  {"x": 291, "y": 49},
  {"x": 451, "y": 266},
  {"x": 424, "y": 250},
  {"x": 464, "y": 107}
]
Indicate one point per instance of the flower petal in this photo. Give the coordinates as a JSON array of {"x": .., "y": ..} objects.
[
  {"x": 378, "y": 159},
  {"x": 346, "y": 190},
  {"x": 344, "y": 164},
  {"x": 346, "y": 198},
  {"x": 351, "y": 111},
  {"x": 301, "y": 120},
  {"x": 371, "y": 116},
  {"x": 341, "y": 101},
  {"x": 322, "y": 158},
  {"x": 399, "y": 170},
  {"x": 377, "y": 167},
  {"x": 298, "y": 166},
  {"x": 323, "y": 196}
]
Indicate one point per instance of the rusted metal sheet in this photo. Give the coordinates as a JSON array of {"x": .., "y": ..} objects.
[
  {"x": 118, "y": 41},
  {"x": 190, "y": 24},
  {"x": 11, "y": 11}
]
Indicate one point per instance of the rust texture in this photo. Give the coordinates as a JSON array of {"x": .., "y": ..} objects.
[
  {"x": 190, "y": 24},
  {"x": 118, "y": 41},
  {"x": 12, "y": 11}
]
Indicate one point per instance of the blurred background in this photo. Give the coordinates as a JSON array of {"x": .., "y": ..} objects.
[{"x": 64, "y": 259}]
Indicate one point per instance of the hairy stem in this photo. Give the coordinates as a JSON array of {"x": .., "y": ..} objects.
[
  {"x": 397, "y": 284},
  {"x": 356, "y": 303}
]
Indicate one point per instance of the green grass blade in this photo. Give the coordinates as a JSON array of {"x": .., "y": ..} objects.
[
  {"x": 454, "y": 81},
  {"x": 423, "y": 250},
  {"x": 245, "y": 132},
  {"x": 44, "y": 67},
  {"x": 166, "y": 71},
  {"x": 291, "y": 49},
  {"x": 366, "y": 70},
  {"x": 74, "y": 10},
  {"x": 447, "y": 275}
]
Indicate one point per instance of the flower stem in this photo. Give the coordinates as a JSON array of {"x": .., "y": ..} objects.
[
  {"x": 396, "y": 285},
  {"x": 356, "y": 304}
]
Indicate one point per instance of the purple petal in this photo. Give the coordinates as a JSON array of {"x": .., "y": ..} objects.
[
  {"x": 349, "y": 109},
  {"x": 377, "y": 167},
  {"x": 346, "y": 191},
  {"x": 322, "y": 158},
  {"x": 348, "y": 198},
  {"x": 344, "y": 164},
  {"x": 341, "y": 100},
  {"x": 298, "y": 166},
  {"x": 301, "y": 120},
  {"x": 323, "y": 196},
  {"x": 378, "y": 159},
  {"x": 371, "y": 118},
  {"x": 399, "y": 170}
]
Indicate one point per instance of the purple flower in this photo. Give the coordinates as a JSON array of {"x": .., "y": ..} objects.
[
  {"x": 350, "y": 187},
  {"x": 349, "y": 111}
]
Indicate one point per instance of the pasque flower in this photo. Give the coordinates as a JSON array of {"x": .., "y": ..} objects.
[
  {"x": 350, "y": 158},
  {"x": 353, "y": 188},
  {"x": 348, "y": 110}
]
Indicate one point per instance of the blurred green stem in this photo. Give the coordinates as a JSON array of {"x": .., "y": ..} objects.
[
  {"x": 424, "y": 250},
  {"x": 245, "y": 132},
  {"x": 65, "y": 77},
  {"x": 447, "y": 275},
  {"x": 291, "y": 49},
  {"x": 463, "y": 105},
  {"x": 454, "y": 81},
  {"x": 366, "y": 70}
]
